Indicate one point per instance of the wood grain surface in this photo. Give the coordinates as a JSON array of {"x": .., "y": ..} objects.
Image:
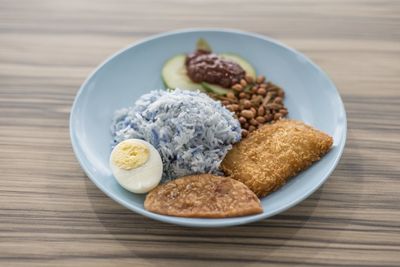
[{"x": 52, "y": 215}]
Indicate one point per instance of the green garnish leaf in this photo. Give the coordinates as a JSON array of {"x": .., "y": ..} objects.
[{"x": 203, "y": 45}]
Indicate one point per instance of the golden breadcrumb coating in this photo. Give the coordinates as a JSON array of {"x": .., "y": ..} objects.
[
  {"x": 269, "y": 156},
  {"x": 203, "y": 196}
]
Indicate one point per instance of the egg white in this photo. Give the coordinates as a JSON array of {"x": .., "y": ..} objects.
[{"x": 143, "y": 178}]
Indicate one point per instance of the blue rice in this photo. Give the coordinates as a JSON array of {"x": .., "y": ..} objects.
[{"x": 191, "y": 131}]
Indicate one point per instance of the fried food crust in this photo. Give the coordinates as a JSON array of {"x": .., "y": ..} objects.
[
  {"x": 269, "y": 156},
  {"x": 203, "y": 196}
]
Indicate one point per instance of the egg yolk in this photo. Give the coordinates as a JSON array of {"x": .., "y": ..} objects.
[{"x": 129, "y": 156}]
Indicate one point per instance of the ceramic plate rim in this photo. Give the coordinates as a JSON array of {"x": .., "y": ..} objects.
[{"x": 205, "y": 222}]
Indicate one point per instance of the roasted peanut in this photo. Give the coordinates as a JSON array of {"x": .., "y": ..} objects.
[
  {"x": 254, "y": 122},
  {"x": 268, "y": 117},
  {"x": 230, "y": 95},
  {"x": 248, "y": 114},
  {"x": 249, "y": 79},
  {"x": 237, "y": 87},
  {"x": 235, "y": 107},
  {"x": 277, "y": 116},
  {"x": 229, "y": 107},
  {"x": 254, "y": 111},
  {"x": 242, "y": 95},
  {"x": 262, "y": 91},
  {"x": 260, "y": 79},
  {"x": 242, "y": 120},
  {"x": 246, "y": 104},
  {"x": 261, "y": 111},
  {"x": 278, "y": 100},
  {"x": 260, "y": 119},
  {"x": 273, "y": 106},
  {"x": 283, "y": 111},
  {"x": 256, "y": 101}
]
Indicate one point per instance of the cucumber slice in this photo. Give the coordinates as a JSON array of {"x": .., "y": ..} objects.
[
  {"x": 216, "y": 89},
  {"x": 248, "y": 68},
  {"x": 174, "y": 75}
]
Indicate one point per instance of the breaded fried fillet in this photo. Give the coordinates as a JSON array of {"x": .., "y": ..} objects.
[
  {"x": 203, "y": 196},
  {"x": 270, "y": 155}
]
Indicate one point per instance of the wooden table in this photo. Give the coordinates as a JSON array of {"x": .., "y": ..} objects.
[{"x": 52, "y": 215}]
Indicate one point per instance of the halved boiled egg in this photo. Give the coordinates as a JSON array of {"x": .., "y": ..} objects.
[{"x": 136, "y": 165}]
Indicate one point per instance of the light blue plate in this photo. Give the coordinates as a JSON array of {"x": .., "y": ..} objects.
[{"x": 120, "y": 80}]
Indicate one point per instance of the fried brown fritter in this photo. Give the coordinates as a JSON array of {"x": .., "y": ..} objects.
[
  {"x": 268, "y": 157},
  {"x": 203, "y": 196}
]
